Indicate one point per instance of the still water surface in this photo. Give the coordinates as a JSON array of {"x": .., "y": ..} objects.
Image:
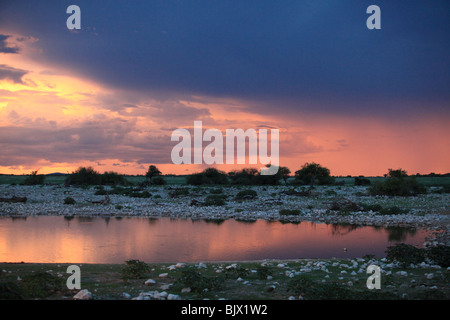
[{"x": 55, "y": 239}]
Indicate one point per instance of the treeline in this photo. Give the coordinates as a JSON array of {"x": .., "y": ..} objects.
[{"x": 396, "y": 183}]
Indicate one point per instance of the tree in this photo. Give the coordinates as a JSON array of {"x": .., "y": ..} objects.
[
  {"x": 284, "y": 172},
  {"x": 310, "y": 173},
  {"x": 153, "y": 171}
]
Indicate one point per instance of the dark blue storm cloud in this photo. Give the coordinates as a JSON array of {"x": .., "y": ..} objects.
[{"x": 281, "y": 53}]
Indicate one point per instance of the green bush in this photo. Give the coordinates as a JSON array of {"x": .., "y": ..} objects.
[
  {"x": 263, "y": 272},
  {"x": 88, "y": 176},
  {"x": 178, "y": 192},
  {"x": 313, "y": 173},
  {"x": 143, "y": 194},
  {"x": 158, "y": 181},
  {"x": 236, "y": 272},
  {"x": 34, "y": 179},
  {"x": 41, "y": 285},
  {"x": 69, "y": 200},
  {"x": 208, "y": 176},
  {"x": 361, "y": 181},
  {"x": 246, "y": 194},
  {"x": 113, "y": 178},
  {"x": 216, "y": 191},
  {"x": 198, "y": 282},
  {"x": 10, "y": 291},
  {"x": 405, "y": 254},
  {"x": 215, "y": 200},
  {"x": 135, "y": 269},
  {"x": 439, "y": 255},
  {"x": 397, "y": 183},
  {"x": 312, "y": 290}
]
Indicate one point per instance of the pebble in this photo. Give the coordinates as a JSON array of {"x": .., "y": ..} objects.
[
  {"x": 163, "y": 275},
  {"x": 149, "y": 282},
  {"x": 83, "y": 295}
]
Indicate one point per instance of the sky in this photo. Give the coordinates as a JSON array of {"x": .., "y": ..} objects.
[{"x": 109, "y": 95}]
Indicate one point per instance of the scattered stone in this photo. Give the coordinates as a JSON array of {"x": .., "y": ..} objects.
[
  {"x": 163, "y": 275},
  {"x": 126, "y": 295},
  {"x": 173, "y": 297},
  {"x": 83, "y": 295},
  {"x": 186, "y": 290},
  {"x": 149, "y": 282}
]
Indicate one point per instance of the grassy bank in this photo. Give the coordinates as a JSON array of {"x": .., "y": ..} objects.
[{"x": 310, "y": 279}]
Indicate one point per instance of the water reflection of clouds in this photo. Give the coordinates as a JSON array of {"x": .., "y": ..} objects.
[{"x": 111, "y": 240}]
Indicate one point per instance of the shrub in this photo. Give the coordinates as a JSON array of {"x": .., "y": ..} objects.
[
  {"x": 439, "y": 255},
  {"x": 208, "y": 176},
  {"x": 198, "y": 282},
  {"x": 397, "y": 183},
  {"x": 113, "y": 178},
  {"x": 34, "y": 179},
  {"x": 246, "y": 194},
  {"x": 134, "y": 269},
  {"x": 215, "y": 200},
  {"x": 84, "y": 176},
  {"x": 143, "y": 194},
  {"x": 178, "y": 192},
  {"x": 361, "y": 181},
  {"x": 263, "y": 272},
  {"x": 10, "y": 291},
  {"x": 236, "y": 272},
  {"x": 290, "y": 212},
  {"x": 312, "y": 290},
  {"x": 69, "y": 200},
  {"x": 405, "y": 254},
  {"x": 312, "y": 173},
  {"x": 88, "y": 176},
  {"x": 41, "y": 285},
  {"x": 158, "y": 181}
]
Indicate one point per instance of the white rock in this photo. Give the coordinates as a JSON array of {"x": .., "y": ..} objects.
[
  {"x": 83, "y": 295},
  {"x": 163, "y": 294},
  {"x": 163, "y": 275},
  {"x": 291, "y": 298},
  {"x": 186, "y": 290},
  {"x": 180, "y": 265},
  {"x": 173, "y": 297},
  {"x": 201, "y": 265},
  {"x": 269, "y": 277},
  {"x": 350, "y": 284},
  {"x": 149, "y": 282},
  {"x": 126, "y": 295},
  {"x": 280, "y": 265},
  {"x": 166, "y": 286},
  {"x": 239, "y": 279},
  {"x": 429, "y": 276}
]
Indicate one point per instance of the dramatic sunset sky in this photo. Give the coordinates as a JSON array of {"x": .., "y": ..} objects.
[{"x": 355, "y": 100}]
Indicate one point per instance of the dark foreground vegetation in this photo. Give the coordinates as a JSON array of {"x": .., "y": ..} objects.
[{"x": 310, "y": 279}]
